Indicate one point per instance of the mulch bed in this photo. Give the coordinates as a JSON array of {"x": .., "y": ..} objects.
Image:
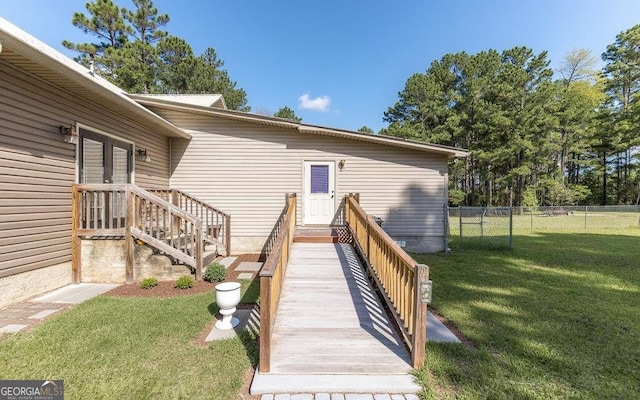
[{"x": 166, "y": 288}]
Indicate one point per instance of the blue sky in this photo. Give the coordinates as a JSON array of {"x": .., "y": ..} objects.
[{"x": 342, "y": 63}]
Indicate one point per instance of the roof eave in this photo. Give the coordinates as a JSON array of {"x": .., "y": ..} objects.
[
  {"x": 449, "y": 152},
  {"x": 219, "y": 112},
  {"x": 53, "y": 60}
]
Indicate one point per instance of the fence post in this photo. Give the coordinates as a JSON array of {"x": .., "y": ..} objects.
[
  {"x": 460, "y": 219},
  {"x": 531, "y": 210},
  {"x": 510, "y": 227},
  {"x": 446, "y": 227},
  {"x": 585, "y": 216}
]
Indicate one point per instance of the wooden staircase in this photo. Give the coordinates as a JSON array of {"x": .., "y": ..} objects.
[{"x": 187, "y": 230}]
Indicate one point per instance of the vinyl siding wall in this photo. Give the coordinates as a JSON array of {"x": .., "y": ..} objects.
[
  {"x": 245, "y": 169},
  {"x": 37, "y": 168}
]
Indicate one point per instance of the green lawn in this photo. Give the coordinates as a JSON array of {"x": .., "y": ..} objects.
[
  {"x": 557, "y": 317},
  {"x": 133, "y": 348}
]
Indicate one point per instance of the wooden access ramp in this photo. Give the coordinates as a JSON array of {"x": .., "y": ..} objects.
[{"x": 331, "y": 333}]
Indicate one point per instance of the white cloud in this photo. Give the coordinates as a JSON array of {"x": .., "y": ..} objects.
[{"x": 318, "y": 104}]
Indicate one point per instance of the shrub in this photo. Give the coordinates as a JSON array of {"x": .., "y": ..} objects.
[
  {"x": 184, "y": 282},
  {"x": 148, "y": 283},
  {"x": 215, "y": 272}
]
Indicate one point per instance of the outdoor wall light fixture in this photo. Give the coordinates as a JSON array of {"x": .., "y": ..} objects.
[
  {"x": 341, "y": 164},
  {"x": 69, "y": 134},
  {"x": 143, "y": 156}
]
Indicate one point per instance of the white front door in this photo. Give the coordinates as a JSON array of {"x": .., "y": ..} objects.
[{"x": 319, "y": 202}]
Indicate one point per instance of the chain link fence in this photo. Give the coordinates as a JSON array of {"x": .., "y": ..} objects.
[
  {"x": 490, "y": 227},
  {"x": 493, "y": 227},
  {"x": 576, "y": 218}
]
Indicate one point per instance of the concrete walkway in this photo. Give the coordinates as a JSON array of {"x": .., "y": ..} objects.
[
  {"x": 19, "y": 316},
  {"x": 338, "y": 396}
]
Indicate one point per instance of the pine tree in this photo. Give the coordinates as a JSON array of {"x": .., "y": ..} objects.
[
  {"x": 287, "y": 113},
  {"x": 135, "y": 53}
]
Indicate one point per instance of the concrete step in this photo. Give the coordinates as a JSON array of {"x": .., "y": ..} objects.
[{"x": 273, "y": 383}]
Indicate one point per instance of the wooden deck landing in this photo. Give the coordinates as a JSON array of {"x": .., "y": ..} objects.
[{"x": 329, "y": 319}]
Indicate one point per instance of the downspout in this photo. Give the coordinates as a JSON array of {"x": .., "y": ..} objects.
[{"x": 445, "y": 206}]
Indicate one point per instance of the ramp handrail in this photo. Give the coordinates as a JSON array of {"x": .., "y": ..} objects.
[
  {"x": 271, "y": 277},
  {"x": 397, "y": 275}
]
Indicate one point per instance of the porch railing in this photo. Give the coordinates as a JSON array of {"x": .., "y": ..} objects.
[
  {"x": 397, "y": 275},
  {"x": 216, "y": 224},
  {"x": 271, "y": 277},
  {"x": 127, "y": 211}
]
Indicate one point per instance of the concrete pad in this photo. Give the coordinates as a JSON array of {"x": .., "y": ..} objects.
[
  {"x": 283, "y": 397},
  {"x": 75, "y": 293},
  {"x": 272, "y": 383},
  {"x": 438, "y": 332},
  {"x": 323, "y": 396},
  {"x": 249, "y": 319},
  {"x": 44, "y": 313},
  {"x": 381, "y": 397},
  {"x": 411, "y": 397},
  {"x": 12, "y": 328},
  {"x": 358, "y": 397},
  {"x": 337, "y": 396},
  {"x": 249, "y": 266},
  {"x": 245, "y": 275},
  {"x": 267, "y": 397},
  {"x": 397, "y": 397},
  {"x": 227, "y": 261}
]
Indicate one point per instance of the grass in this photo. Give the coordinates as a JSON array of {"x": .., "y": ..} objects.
[
  {"x": 140, "y": 348},
  {"x": 557, "y": 317}
]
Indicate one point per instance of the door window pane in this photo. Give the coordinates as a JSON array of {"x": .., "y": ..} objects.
[
  {"x": 319, "y": 179},
  {"x": 120, "y": 165},
  {"x": 92, "y": 161}
]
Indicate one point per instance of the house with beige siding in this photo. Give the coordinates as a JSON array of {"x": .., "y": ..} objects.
[
  {"x": 245, "y": 163},
  {"x": 84, "y": 165},
  {"x": 41, "y": 93}
]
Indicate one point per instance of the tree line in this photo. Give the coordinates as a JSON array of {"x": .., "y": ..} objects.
[
  {"x": 535, "y": 137},
  {"x": 132, "y": 51}
]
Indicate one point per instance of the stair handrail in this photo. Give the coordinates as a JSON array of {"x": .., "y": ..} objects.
[
  {"x": 272, "y": 276},
  {"x": 218, "y": 231},
  {"x": 398, "y": 276},
  {"x": 140, "y": 207}
]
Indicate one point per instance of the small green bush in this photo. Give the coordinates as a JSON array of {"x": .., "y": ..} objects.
[
  {"x": 148, "y": 283},
  {"x": 215, "y": 272},
  {"x": 184, "y": 282}
]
